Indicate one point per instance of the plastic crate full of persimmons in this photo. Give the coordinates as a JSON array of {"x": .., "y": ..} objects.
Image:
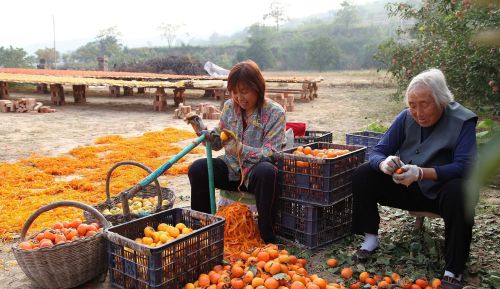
[
  {"x": 164, "y": 250},
  {"x": 318, "y": 173}
]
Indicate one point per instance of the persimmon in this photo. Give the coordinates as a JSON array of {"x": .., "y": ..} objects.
[
  {"x": 398, "y": 171},
  {"x": 356, "y": 285},
  {"x": 40, "y": 236},
  {"x": 346, "y": 273},
  {"x": 302, "y": 261},
  {"x": 46, "y": 243},
  {"x": 237, "y": 271},
  {"x": 257, "y": 281},
  {"x": 25, "y": 245},
  {"x": 332, "y": 262},
  {"x": 248, "y": 277},
  {"x": 91, "y": 233},
  {"x": 49, "y": 234},
  {"x": 307, "y": 150},
  {"x": 422, "y": 282},
  {"x": 363, "y": 276},
  {"x": 148, "y": 231},
  {"x": 263, "y": 256},
  {"x": 75, "y": 223},
  {"x": 370, "y": 281},
  {"x": 300, "y": 148},
  {"x": 271, "y": 283},
  {"x": 297, "y": 285},
  {"x": 395, "y": 277},
  {"x": 58, "y": 226},
  {"x": 383, "y": 284},
  {"x": 82, "y": 229},
  {"x": 59, "y": 238},
  {"x": 237, "y": 283},
  {"x": 436, "y": 283},
  {"x": 203, "y": 279},
  {"x": 223, "y": 136},
  {"x": 415, "y": 286},
  {"x": 312, "y": 286},
  {"x": 320, "y": 282},
  {"x": 387, "y": 279}
]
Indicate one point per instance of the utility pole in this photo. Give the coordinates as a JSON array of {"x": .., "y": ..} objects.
[{"x": 54, "y": 30}]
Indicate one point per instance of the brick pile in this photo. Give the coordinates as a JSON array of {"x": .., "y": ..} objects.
[
  {"x": 182, "y": 111},
  {"x": 24, "y": 105},
  {"x": 208, "y": 111},
  {"x": 287, "y": 102}
]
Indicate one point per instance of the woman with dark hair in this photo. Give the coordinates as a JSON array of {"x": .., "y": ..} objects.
[{"x": 256, "y": 129}]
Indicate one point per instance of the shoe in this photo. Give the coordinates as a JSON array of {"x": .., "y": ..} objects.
[
  {"x": 361, "y": 255},
  {"x": 448, "y": 282}
]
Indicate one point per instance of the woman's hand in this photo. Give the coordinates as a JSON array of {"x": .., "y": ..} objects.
[
  {"x": 410, "y": 174},
  {"x": 390, "y": 164}
]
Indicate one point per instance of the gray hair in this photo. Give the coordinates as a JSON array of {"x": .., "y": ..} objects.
[{"x": 434, "y": 79}]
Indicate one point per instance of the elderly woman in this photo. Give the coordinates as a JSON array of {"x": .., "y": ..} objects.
[
  {"x": 256, "y": 126},
  {"x": 420, "y": 165}
]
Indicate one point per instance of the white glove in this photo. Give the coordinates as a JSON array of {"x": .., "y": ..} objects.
[
  {"x": 390, "y": 164},
  {"x": 411, "y": 173}
]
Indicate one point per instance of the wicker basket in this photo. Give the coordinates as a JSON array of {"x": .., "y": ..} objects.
[
  {"x": 148, "y": 191},
  {"x": 68, "y": 264}
]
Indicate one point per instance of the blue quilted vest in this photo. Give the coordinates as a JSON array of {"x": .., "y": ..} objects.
[{"x": 437, "y": 149}]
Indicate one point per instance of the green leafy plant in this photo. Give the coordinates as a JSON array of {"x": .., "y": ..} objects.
[
  {"x": 376, "y": 127},
  {"x": 448, "y": 35}
]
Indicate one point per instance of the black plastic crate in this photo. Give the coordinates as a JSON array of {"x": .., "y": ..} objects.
[
  {"x": 172, "y": 265},
  {"x": 313, "y": 226},
  {"x": 369, "y": 139},
  {"x": 318, "y": 181},
  {"x": 311, "y": 136}
]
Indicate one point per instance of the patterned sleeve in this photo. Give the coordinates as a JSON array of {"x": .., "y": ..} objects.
[{"x": 274, "y": 137}]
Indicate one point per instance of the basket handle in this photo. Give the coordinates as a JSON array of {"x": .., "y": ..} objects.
[
  {"x": 49, "y": 207},
  {"x": 132, "y": 163}
]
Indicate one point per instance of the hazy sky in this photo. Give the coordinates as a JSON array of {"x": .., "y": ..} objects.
[{"x": 25, "y": 23}]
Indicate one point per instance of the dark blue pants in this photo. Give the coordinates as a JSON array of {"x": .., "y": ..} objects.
[
  {"x": 263, "y": 183},
  {"x": 371, "y": 187}
]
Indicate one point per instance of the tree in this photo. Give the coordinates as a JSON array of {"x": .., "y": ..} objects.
[
  {"x": 108, "y": 42},
  {"x": 15, "y": 57},
  {"x": 276, "y": 13},
  {"x": 322, "y": 52},
  {"x": 259, "y": 49},
  {"x": 444, "y": 34},
  {"x": 347, "y": 15},
  {"x": 48, "y": 54},
  {"x": 169, "y": 32}
]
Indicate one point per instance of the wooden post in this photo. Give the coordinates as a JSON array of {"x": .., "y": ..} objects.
[
  {"x": 179, "y": 95},
  {"x": 128, "y": 91},
  {"x": 79, "y": 93},
  {"x": 57, "y": 94},
  {"x": 114, "y": 90},
  {"x": 4, "y": 90},
  {"x": 141, "y": 90},
  {"x": 315, "y": 89},
  {"x": 160, "y": 102},
  {"x": 209, "y": 93}
]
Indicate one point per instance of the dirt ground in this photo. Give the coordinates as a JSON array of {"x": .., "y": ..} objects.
[{"x": 347, "y": 102}]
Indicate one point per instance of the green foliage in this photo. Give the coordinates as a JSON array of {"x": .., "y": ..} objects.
[
  {"x": 48, "y": 55},
  {"x": 323, "y": 53},
  {"x": 349, "y": 36},
  {"x": 259, "y": 49},
  {"x": 15, "y": 57},
  {"x": 376, "y": 127},
  {"x": 486, "y": 130},
  {"x": 442, "y": 34}
]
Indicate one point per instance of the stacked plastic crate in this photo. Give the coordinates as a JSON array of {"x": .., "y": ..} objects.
[
  {"x": 315, "y": 206},
  {"x": 369, "y": 139}
]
